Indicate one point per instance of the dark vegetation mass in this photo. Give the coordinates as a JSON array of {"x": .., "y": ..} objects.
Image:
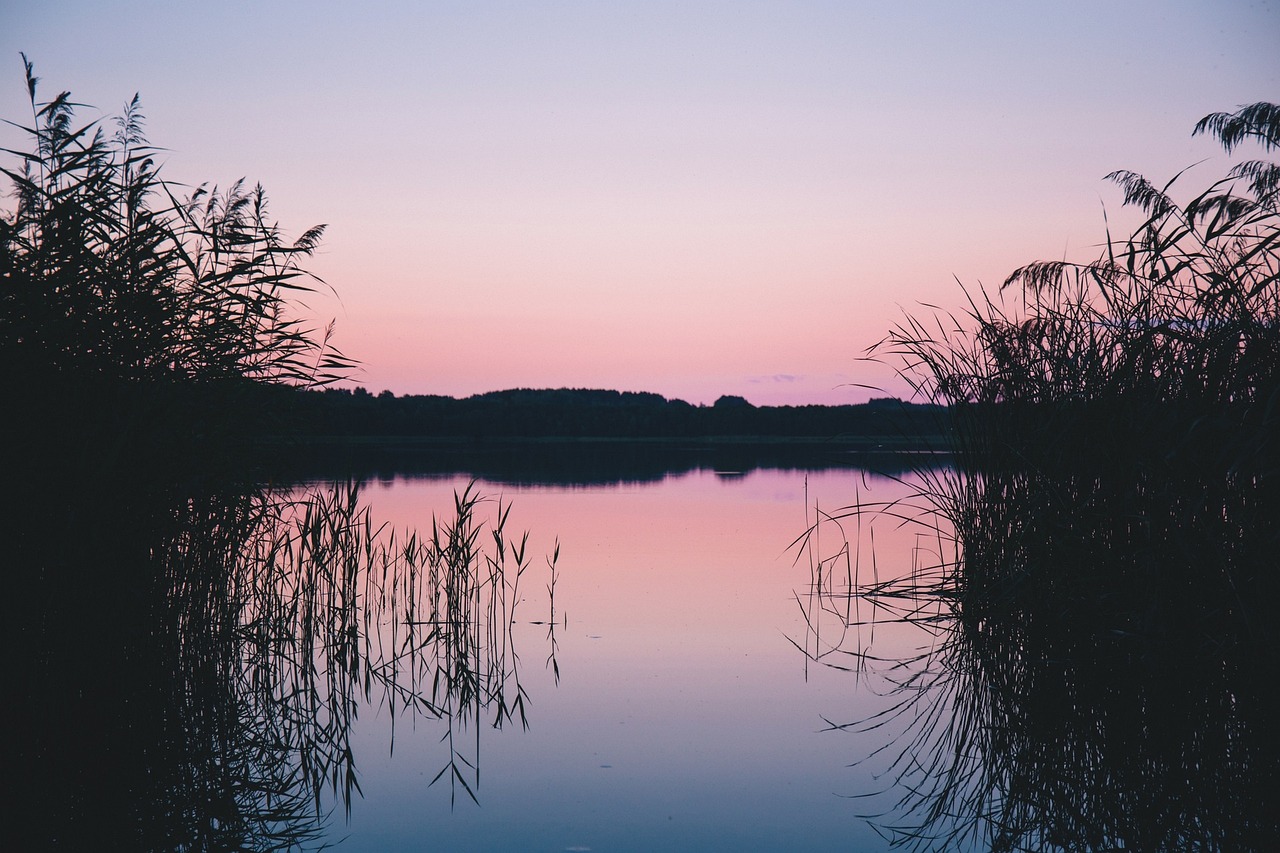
[
  {"x": 192, "y": 645},
  {"x": 135, "y": 314},
  {"x": 1164, "y": 351},
  {"x": 1104, "y": 674},
  {"x": 578, "y": 437},
  {"x": 582, "y": 413}
]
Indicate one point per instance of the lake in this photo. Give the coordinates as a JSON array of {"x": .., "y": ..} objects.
[
  {"x": 685, "y": 717},
  {"x": 207, "y": 663}
]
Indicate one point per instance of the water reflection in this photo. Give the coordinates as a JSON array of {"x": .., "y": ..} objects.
[
  {"x": 1103, "y": 669},
  {"x": 187, "y": 665},
  {"x": 587, "y": 462}
]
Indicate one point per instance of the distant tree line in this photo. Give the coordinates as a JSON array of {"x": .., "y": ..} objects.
[{"x": 581, "y": 413}]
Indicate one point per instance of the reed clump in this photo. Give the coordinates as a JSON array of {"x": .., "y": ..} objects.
[
  {"x": 1101, "y": 567},
  {"x": 1163, "y": 351},
  {"x": 191, "y": 646},
  {"x": 132, "y": 309},
  {"x": 1096, "y": 669},
  {"x": 346, "y": 612}
]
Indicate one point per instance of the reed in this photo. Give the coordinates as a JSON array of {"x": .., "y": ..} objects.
[
  {"x": 1167, "y": 343},
  {"x": 122, "y": 292},
  {"x": 205, "y": 638},
  {"x": 1100, "y": 569}
]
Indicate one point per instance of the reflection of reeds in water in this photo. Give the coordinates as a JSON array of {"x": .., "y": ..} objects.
[
  {"x": 340, "y": 613},
  {"x": 838, "y": 605},
  {"x": 216, "y": 656},
  {"x": 1102, "y": 673}
]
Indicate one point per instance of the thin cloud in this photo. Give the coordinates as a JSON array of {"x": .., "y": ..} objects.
[{"x": 776, "y": 378}]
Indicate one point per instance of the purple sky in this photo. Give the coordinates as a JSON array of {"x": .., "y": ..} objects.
[{"x": 689, "y": 198}]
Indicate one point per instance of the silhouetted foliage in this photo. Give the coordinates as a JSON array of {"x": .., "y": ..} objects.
[
  {"x": 123, "y": 301},
  {"x": 577, "y": 413},
  {"x": 1102, "y": 676},
  {"x": 1099, "y": 666},
  {"x": 189, "y": 645},
  {"x": 1165, "y": 350}
]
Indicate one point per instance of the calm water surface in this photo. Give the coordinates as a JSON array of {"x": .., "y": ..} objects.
[
  {"x": 685, "y": 717},
  {"x": 1076, "y": 682}
]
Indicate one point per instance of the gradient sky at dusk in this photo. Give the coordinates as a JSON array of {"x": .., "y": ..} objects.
[{"x": 691, "y": 198}]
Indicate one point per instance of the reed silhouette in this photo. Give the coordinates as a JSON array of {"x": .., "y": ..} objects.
[
  {"x": 1099, "y": 668},
  {"x": 1097, "y": 572},
  {"x": 134, "y": 314},
  {"x": 189, "y": 644},
  {"x": 110, "y": 271},
  {"x": 1169, "y": 342}
]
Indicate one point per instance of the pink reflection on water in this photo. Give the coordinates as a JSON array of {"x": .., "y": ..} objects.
[{"x": 683, "y": 707}]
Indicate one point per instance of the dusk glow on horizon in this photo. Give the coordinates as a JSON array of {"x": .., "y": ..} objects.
[{"x": 692, "y": 199}]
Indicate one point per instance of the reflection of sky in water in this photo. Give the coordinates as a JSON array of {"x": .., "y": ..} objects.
[{"x": 683, "y": 719}]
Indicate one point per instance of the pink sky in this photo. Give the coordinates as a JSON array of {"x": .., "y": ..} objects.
[{"x": 693, "y": 199}]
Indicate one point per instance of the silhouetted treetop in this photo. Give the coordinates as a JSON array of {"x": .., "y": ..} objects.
[{"x": 577, "y": 412}]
